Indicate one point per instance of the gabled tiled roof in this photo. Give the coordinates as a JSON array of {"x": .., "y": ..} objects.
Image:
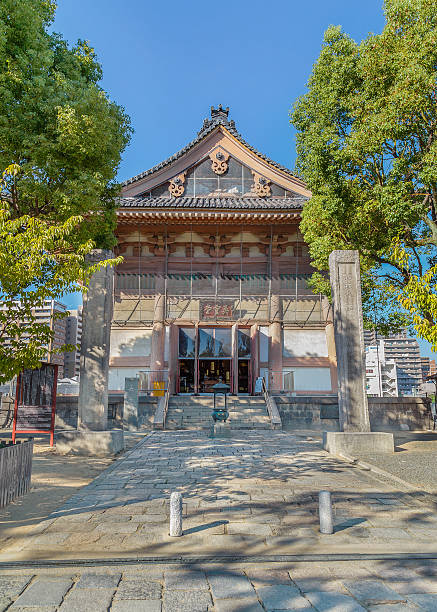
[
  {"x": 218, "y": 117},
  {"x": 246, "y": 203}
]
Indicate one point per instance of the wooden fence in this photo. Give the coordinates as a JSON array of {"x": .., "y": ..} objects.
[{"x": 15, "y": 469}]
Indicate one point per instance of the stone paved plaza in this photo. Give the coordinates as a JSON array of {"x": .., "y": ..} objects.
[
  {"x": 250, "y": 505},
  {"x": 335, "y": 587},
  {"x": 256, "y": 494}
]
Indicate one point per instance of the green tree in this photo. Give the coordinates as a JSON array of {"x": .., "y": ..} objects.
[
  {"x": 367, "y": 148},
  {"x": 57, "y": 124},
  {"x": 61, "y": 140},
  {"x": 36, "y": 263}
]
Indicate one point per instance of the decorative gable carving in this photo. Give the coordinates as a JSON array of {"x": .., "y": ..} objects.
[
  {"x": 176, "y": 186},
  {"x": 261, "y": 185},
  {"x": 219, "y": 158}
]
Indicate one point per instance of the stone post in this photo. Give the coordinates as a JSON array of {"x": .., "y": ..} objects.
[
  {"x": 92, "y": 436},
  {"x": 94, "y": 348},
  {"x": 344, "y": 267},
  {"x": 130, "y": 407}
]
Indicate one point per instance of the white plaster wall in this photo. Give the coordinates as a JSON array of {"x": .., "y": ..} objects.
[
  {"x": 131, "y": 342},
  {"x": 117, "y": 375},
  {"x": 311, "y": 379},
  {"x": 305, "y": 343}
]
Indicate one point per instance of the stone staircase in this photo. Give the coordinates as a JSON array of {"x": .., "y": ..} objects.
[{"x": 194, "y": 412}]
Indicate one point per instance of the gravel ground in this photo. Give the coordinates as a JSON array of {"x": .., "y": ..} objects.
[{"x": 414, "y": 459}]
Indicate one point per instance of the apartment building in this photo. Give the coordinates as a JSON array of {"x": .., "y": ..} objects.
[
  {"x": 45, "y": 314},
  {"x": 73, "y": 336},
  {"x": 381, "y": 374},
  {"x": 405, "y": 352}
]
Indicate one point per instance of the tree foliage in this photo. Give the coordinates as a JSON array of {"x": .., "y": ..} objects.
[
  {"x": 61, "y": 140},
  {"x": 57, "y": 124},
  {"x": 367, "y": 149},
  {"x": 36, "y": 263}
]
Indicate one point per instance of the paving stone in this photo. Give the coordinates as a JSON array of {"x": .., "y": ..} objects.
[
  {"x": 185, "y": 581},
  {"x": 34, "y": 608},
  {"x": 229, "y": 584},
  {"x": 138, "y": 589},
  {"x": 94, "y": 581},
  {"x": 415, "y": 585},
  {"x": 328, "y": 601},
  {"x": 425, "y": 601},
  {"x": 260, "y": 577},
  {"x": 44, "y": 592},
  {"x": 319, "y": 585},
  {"x": 11, "y": 586},
  {"x": 136, "y": 605},
  {"x": 249, "y": 528},
  {"x": 401, "y": 607},
  {"x": 87, "y": 600},
  {"x": 184, "y": 601},
  {"x": 247, "y": 604},
  {"x": 373, "y": 592},
  {"x": 116, "y": 528},
  {"x": 282, "y": 597}
]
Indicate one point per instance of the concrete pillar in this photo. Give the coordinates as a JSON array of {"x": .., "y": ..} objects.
[
  {"x": 92, "y": 436},
  {"x": 158, "y": 331},
  {"x": 275, "y": 331},
  {"x": 94, "y": 349},
  {"x": 130, "y": 408},
  {"x": 344, "y": 269}
]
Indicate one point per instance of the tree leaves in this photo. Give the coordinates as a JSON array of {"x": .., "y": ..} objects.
[{"x": 367, "y": 149}]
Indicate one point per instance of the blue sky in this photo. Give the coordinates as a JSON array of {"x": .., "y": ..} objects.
[{"x": 168, "y": 62}]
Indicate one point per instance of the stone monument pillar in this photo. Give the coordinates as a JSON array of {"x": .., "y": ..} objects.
[
  {"x": 344, "y": 267},
  {"x": 92, "y": 436},
  {"x": 130, "y": 406}
]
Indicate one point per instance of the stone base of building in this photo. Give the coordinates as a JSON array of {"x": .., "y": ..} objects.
[
  {"x": 351, "y": 443},
  {"x": 90, "y": 443}
]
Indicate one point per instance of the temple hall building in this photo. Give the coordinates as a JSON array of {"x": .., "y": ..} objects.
[{"x": 214, "y": 282}]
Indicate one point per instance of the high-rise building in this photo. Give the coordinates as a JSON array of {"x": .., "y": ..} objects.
[
  {"x": 404, "y": 351},
  {"x": 381, "y": 374},
  {"x": 45, "y": 314},
  {"x": 426, "y": 366},
  {"x": 73, "y": 336}
]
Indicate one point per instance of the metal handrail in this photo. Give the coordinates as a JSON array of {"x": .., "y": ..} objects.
[{"x": 272, "y": 409}]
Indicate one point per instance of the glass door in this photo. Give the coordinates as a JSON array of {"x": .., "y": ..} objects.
[
  {"x": 215, "y": 357},
  {"x": 187, "y": 360}
]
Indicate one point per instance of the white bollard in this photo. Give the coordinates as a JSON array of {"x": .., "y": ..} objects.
[
  {"x": 176, "y": 514},
  {"x": 325, "y": 512}
]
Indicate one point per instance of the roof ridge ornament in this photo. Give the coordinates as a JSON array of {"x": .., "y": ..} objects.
[{"x": 219, "y": 116}]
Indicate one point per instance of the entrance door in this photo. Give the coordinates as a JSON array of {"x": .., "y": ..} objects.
[
  {"x": 186, "y": 376},
  {"x": 211, "y": 371},
  {"x": 243, "y": 375}
]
